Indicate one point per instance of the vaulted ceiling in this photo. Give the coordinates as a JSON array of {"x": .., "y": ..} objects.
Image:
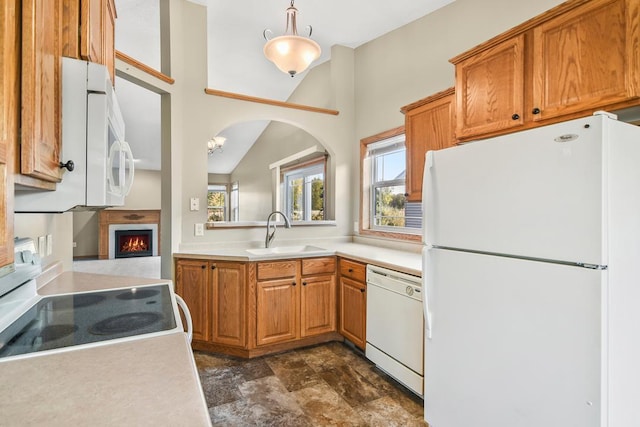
[{"x": 235, "y": 57}]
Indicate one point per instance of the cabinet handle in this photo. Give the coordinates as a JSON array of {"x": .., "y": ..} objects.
[
  {"x": 350, "y": 270},
  {"x": 70, "y": 166},
  {"x": 406, "y": 194},
  {"x": 304, "y": 283},
  {"x": 515, "y": 116},
  {"x": 362, "y": 290},
  {"x": 536, "y": 110},
  {"x": 213, "y": 267},
  {"x": 293, "y": 284},
  {"x": 203, "y": 267}
]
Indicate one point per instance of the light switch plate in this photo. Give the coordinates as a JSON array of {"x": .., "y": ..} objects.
[
  {"x": 199, "y": 230},
  {"x": 195, "y": 204},
  {"x": 49, "y": 244}
]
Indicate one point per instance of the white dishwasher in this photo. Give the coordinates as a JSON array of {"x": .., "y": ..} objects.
[{"x": 395, "y": 325}]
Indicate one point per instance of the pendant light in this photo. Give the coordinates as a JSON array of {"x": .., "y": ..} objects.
[{"x": 290, "y": 52}]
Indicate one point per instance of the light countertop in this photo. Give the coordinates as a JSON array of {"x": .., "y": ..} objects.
[
  {"x": 149, "y": 381},
  {"x": 404, "y": 261}
]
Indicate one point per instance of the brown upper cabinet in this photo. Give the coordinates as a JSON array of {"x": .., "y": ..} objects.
[
  {"x": 429, "y": 125},
  {"x": 9, "y": 119},
  {"x": 89, "y": 31},
  {"x": 570, "y": 61},
  {"x": 40, "y": 144}
]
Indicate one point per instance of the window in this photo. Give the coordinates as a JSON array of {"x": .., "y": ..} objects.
[
  {"x": 303, "y": 191},
  {"x": 217, "y": 203},
  {"x": 384, "y": 208},
  {"x": 234, "y": 202}
]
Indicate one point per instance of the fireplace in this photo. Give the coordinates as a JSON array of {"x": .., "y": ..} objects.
[
  {"x": 112, "y": 220},
  {"x": 133, "y": 243}
]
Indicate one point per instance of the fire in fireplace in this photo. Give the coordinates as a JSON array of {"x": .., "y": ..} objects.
[{"x": 133, "y": 243}]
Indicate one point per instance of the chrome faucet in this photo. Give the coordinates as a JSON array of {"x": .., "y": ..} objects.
[{"x": 270, "y": 237}]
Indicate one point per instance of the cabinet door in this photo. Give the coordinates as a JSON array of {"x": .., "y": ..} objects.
[
  {"x": 229, "y": 303},
  {"x": 91, "y": 30},
  {"x": 586, "y": 58},
  {"x": 430, "y": 126},
  {"x": 318, "y": 305},
  {"x": 490, "y": 90},
  {"x": 41, "y": 89},
  {"x": 277, "y": 311},
  {"x": 109, "y": 39},
  {"x": 9, "y": 113},
  {"x": 353, "y": 311},
  {"x": 192, "y": 285}
]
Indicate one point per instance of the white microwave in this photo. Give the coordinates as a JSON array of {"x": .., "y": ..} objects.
[{"x": 101, "y": 168}]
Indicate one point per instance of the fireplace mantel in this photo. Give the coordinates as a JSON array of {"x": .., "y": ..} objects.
[{"x": 111, "y": 216}]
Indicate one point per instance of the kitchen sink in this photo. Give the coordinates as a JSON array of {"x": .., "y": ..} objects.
[{"x": 286, "y": 250}]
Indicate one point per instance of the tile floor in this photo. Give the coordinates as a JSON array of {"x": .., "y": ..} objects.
[{"x": 325, "y": 385}]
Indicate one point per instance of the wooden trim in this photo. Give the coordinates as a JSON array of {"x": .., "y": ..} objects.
[
  {"x": 394, "y": 236},
  {"x": 525, "y": 26},
  {"x": 428, "y": 99},
  {"x": 145, "y": 68},
  {"x": 249, "y": 353},
  {"x": 267, "y": 101},
  {"x": 70, "y": 25},
  {"x": 116, "y": 216},
  {"x": 380, "y": 136}
]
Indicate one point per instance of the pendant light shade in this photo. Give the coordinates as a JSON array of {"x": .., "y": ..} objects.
[{"x": 290, "y": 52}]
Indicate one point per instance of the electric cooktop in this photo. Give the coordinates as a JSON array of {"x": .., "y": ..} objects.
[{"x": 60, "y": 321}]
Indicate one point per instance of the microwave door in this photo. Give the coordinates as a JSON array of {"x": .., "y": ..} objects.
[{"x": 97, "y": 149}]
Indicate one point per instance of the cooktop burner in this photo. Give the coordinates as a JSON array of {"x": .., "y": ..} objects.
[
  {"x": 124, "y": 323},
  {"x": 136, "y": 293}
]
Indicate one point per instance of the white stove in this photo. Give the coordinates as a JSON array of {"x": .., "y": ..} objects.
[{"x": 32, "y": 325}]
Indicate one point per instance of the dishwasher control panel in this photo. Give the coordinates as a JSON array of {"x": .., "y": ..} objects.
[{"x": 395, "y": 281}]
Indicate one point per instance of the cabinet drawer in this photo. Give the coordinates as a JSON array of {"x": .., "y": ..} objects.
[
  {"x": 318, "y": 265},
  {"x": 353, "y": 270},
  {"x": 275, "y": 270}
]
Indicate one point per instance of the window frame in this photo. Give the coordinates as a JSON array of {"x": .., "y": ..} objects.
[
  {"x": 226, "y": 208},
  {"x": 367, "y": 210},
  {"x": 304, "y": 170}
]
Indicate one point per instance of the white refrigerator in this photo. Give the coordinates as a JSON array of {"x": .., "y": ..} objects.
[{"x": 531, "y": 267}]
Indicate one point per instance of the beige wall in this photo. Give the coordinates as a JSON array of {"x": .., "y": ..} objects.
[
  {"x": 412, "y": 62},
  {"x": 203, "y": 115},
  {"x": 278, "y": 141},
  {"x": 59, "y": 226},
  {"x": 144, "y": 194}
]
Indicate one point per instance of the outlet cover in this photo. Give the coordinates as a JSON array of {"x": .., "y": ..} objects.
[
  {"x": 199, "y": 230},
  {"x": 195, "y": 204}
]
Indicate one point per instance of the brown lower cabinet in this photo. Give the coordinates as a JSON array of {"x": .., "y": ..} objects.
[
  {"x": 215, "y": 294},
  {"x": 353, "y": 302},
  {"x": 252, "y": 308},
  {"x": 295, "y": 299}
]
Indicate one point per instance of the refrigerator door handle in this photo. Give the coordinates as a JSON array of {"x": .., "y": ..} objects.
[
  {"x": 426, "y": 193},
  {"x": 426, "y": 272}
]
